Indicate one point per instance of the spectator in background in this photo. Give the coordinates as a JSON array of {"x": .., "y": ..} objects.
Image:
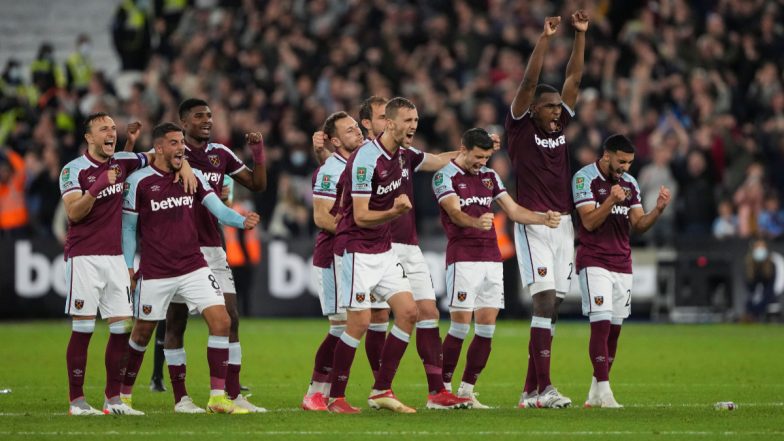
[
  {"x": 698, "y": 206},
  {"x": 13, "y": 210},
  {"x": 726, "y": 225},
  {"x": 290, "y": 218},
  {"x": 650, "y": 179},
  {"x": 78, "y": 66},
  {"x": 748, "y": 199},
  {"x": 771, "y": 218},
  {"x": 760, "y": 275},
  {"x": 132, "y": 37},
  {"x": 43, "y": 196}
]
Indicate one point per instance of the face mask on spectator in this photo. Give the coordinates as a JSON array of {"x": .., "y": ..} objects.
[
  {"x": 84, "y": 49},
  {"x": 759, "y": 254},
  {"x": 298, "y": 158}
]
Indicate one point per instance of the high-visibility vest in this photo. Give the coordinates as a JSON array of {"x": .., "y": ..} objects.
[
  {"x": 235, "y": 254},
  {"x": 505, "y": 243},
  {"x": 13, "y": 211},
  {"x": 79, "y": 69}
]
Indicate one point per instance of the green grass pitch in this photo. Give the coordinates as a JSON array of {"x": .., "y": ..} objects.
[{"x": 667, "y": 376}]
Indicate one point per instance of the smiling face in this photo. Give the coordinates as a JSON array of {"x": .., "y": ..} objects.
[
  {"x": 198, "y": 123},
  {"x": 617, "y": 163},
  {"x": 171, "y": 150},
  {"x": 546, "y": 112},
  {"x": 101, "y": 138},
  {"x": 347, "y": 135},
  {"x": 403, "y": 126}
]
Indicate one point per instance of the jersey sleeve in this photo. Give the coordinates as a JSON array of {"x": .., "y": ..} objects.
[
  {"x": 233, "y": 164},
  {"x": 69, "y": 179},
  {"x": 203, "y": 188},
  {"x": 442, "y": 185},
  {"x": 325, "y": 185},
  {"x": 362, "y": 176},
  {"x": 415, "y": 157},
  {"x": 566, "y": 115},
  {"x": 499, "y": 188},
  {"x": 636, "y": 197},
  {"x": 581, "y": 190},
  {"x": 130, "y": 161},
  {"x": 131, "y": 194}
]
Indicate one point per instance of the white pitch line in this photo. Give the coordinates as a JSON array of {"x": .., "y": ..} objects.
[{"x": 700, "y": 433}]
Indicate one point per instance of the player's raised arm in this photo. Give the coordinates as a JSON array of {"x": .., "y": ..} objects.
[
  {"x": 321, "y": 148},
  {"x": 574, "y": 69},
  {"x": 367, "y": 218},
  {"x": 522, "y": 215},
  {"x": 641, "y": 221},
  {"x": 133, "y": 131},
  {"x": 525, "y": 91},
  {"x": 255, "y": 180}
]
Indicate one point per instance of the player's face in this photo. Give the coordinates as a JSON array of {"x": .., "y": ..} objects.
[
  {"x": 378, "y": 123},
  {"x": 546, "y": 112},
  {"x": 172, "y": 147},
  {"x": 475, "y": 158},
  {"x": 403, "y": 126},
  {"x": 619, "y": 163},
  {"x": 102, "y": 137},
  {"x": 348, "y": 134},
  {"x": 198, "y": 123}
]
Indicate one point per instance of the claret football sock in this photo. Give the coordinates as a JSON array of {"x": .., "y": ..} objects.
[
  {"x": 597, "y": 349},
  {"x": 116, "y": 356},
  {"x": 323, "y": 364},
  {"x": 542, "y": 341},
  {"x": 135, "y": 359},
  {"x": 478, "y": 352},
  {"x": 530, "y": 376},
  {"x": 612, "y": 343},
  {"x": 374, "y": 344},
  {"x": 76, "y": 356},
  {"x": 217, "y": 359},
  {"x": 394, "y": 348},
  {"x": 428, "y": 343},
  {"x": 345, "y": 349},
  {"x": 176, "y": 360},
  {"x": 233, "y": 370},
  {"x": 453, "y": 344}
]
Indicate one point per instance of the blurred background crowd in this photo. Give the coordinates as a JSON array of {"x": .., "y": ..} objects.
[{"x": 697, "y": 85}]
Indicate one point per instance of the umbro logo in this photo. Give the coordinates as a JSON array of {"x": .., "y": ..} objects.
[{"x": 545, "y": 353}]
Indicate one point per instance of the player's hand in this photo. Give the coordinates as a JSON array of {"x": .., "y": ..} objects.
[
  {"x": 552, "y": 219},
  {"x": 402, "y": 204},
  {"x": 580, "y": 20},
  {"x": 496, "y": 142},
  {"x": 255, "y": 142},
  {"x": 189, "y": 181},
  {"x": 664, "y": 198},
  {"x": 111, "y": 176},
  {"x": 225, "y": 192},
  {"x": 251, "y": 220},
  {"x": 133, "y": 280},
  {"x": 321, "y": 146},
  {"x": 133, "y": 131},
  {"x": 485, "y": 221},
  {"x": 551, "y": 25},
  {"x": 617, "y": 194}
]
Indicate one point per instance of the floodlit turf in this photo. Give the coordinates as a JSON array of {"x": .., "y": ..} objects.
[{"x": 668, "y": 377}]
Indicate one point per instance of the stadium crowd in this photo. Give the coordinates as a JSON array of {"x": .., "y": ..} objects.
[{"x": 696, "y": 85}]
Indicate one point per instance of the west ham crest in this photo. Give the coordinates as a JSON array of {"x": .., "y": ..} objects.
[
  {"x": 372, "y": 298},
  {"x": 214, "y": 160},
  {"x": 146, "y": 309},
  {"x": 542, "y": 271},
  {"x": 488, "y": 183},
  {"x": 360, "y": 296},
  {"x": 78, "y": 303},
  {"x": 628, "y": 192},
  {"x": 117, "y": 169},
  {"x": 599, "y": 300},
  {"x": 402, "y": 162},
  {"x": 461, "y": 295}
]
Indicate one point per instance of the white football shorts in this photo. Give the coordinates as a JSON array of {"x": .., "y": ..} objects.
[
  {"x": 325, "y": 280},
  {"x": 362, "y": 274},
  {"x": 545, "y": 256},
  {"x": 198, "y": 289},
  {"x": 416, "y": 270},
  {"x": 604, "y": 290},
  {"x": 98, "y": 283},
  {"x": 475, "y": 285}
]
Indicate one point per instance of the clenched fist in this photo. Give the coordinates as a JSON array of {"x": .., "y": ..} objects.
[
  {"x": 551, "y": 25},
  {"x": 617, "y": 194},
  {"x": 552, "y": 219},
  {"x": 485, "y": 221},
  {"x": 580, "y": 20},
  {"x": 251, "y": 220},
  {"x": 402, "y": 204}
]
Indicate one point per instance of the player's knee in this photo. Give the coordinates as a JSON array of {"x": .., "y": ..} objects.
[
  {"x": 379, "y": 315},
  {"x": 407, "y": 314},
  {"x": 427, "y": 310},
  {"x": 220, "y": 324}
]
